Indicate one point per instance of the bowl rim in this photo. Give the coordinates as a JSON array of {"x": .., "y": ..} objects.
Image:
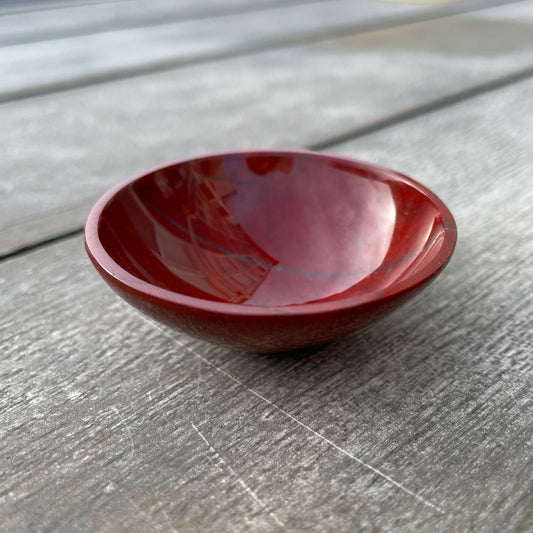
[{"x": 117, "y": 275}]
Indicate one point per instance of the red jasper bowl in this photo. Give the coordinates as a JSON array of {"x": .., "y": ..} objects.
[{"x": 269, "y": 250}]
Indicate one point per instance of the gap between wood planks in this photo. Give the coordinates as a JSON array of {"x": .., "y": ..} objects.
[
  {"x": 158, "y": 20},
  {"x": 328, "y": 143},
  {"x": 304, "y": 38}
]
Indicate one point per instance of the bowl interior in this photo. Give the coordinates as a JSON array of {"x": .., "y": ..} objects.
[{"x": 269, "y": 229}]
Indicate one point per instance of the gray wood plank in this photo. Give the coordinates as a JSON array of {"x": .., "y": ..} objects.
[
  {"x": 70, "y": 19},
  {"x": 51, "y": 65},
  {"x": 111, "y": 423},
  {"x": 62, "y": 151},
  {"x": 21, "y": 6}
]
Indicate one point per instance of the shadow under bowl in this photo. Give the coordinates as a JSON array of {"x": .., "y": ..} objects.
[{"x": 269, "y": 250}]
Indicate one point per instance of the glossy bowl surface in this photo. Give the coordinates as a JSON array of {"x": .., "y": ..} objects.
[{"x": 269, "y": 250}]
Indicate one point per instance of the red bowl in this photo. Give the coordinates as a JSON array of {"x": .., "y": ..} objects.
[{"x": 269, "y": 250}]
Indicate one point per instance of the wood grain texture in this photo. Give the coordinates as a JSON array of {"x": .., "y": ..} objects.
[
  {"x": 81, "y": 60},
  {"x": 420, "y": 422},
  {"x": 62, "y": 151}
]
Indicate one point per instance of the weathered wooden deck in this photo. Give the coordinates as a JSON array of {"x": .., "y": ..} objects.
[{"x": 422, "y": 422}]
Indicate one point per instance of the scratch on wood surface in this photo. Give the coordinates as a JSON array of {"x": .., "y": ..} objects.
[
  {"x": 373, "y": 469},
  {"x": 169, "y": 521},
  {"x": 128, "y": 431},
  {"x": 241, "y": 482}
]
